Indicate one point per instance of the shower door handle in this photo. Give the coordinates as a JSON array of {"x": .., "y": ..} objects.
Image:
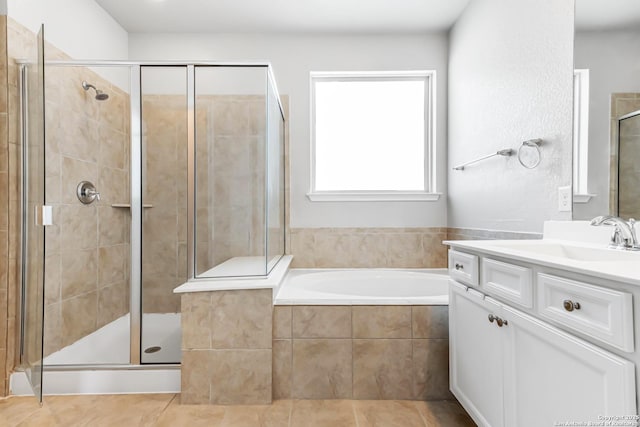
[{"x": 43, "y": 215}]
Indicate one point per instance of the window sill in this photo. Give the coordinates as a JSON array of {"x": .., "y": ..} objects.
[
  {"x": 582, "y": 198},
  {"x": 373, "y": 196}
]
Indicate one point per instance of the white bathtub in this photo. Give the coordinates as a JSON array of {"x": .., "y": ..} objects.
[{"x": 364, "y": 287}]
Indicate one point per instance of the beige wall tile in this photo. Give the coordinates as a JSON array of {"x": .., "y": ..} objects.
[
  {"x": 195, "y": 312},
  {"x": 79, "y": 317},
  {"x": 72, "y": 172},
  {"x": 113, "y": 302},
  {"x": 430, "y": 321},
  {"x": 405, "y": 250},
  {"x": 52, "y": 328},
  {"x": 382, "y": 321},
  {"x": 250, "y": 379},
  {"x": 241, "y": 319},
  {"x": 79, "y": 272},
  {"x": 303, "y": 249},
  {"x": 282, "y": 368},
  {"x": 431, "y": 369},
  {"x": 282, "y": 321},
  {"x": 370, "y": 250},
  {"x": 382, "y": 369},
  {"x": 111, "y": 264},
  {"x": 52, "y": 279},
  {"x": 315, "y": 321},
  {"x": 322, "y": 369},
  {"x": 112, "y": 226},
  {"x": 157, "y": 294},
  {"x": 195, "y": 377},
  {"x": 78, "y": 227},
  {"x": 333, "y": 250}
]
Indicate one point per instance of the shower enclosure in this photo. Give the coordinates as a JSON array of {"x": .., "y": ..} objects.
[
  {"x": 628, "y": 176},
  {"x": 155, "y": 173}
]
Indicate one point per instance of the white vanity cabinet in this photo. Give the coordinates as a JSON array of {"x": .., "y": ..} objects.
[
  {"x": 551, "y": 376},
  {"x": 511, "y": 368},
  {"x": 476, "y": 360}
]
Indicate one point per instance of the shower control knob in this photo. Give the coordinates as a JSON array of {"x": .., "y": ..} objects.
[{"x": 87, "y": 193}]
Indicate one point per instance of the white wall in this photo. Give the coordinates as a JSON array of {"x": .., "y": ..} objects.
[
  {"x": 293, "y": 57},
  {"x": 81, "y": 28},
  {"x": 510, "y": 74},
  {"x": 613, "y": 58}
]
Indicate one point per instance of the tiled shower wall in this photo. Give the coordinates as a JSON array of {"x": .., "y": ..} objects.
[
  {"x": 230, "y": 181},
  {"x": 87, "y": 250},
  {"x": 621, "y": 104},
  {"x": 86, "y": 261},
  {"x": 6, "y": 359},
  {"x": 164, "y": 254}
]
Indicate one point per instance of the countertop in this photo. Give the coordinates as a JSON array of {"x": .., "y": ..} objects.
[{"x": 627, "y": 271}]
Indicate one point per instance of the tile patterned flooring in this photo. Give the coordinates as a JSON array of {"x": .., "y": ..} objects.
[{"x": 166, "y": 410}]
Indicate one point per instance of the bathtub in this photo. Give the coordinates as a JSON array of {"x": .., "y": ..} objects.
[{"x": 365, "y": 286}]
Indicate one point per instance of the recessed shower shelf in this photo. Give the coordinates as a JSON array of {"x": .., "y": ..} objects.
[{"x": 127, "y": 205}]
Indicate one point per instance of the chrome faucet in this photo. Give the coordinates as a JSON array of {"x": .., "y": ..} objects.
[{"x": 624, "y": 234}]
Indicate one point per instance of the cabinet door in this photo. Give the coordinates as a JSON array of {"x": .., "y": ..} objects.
[
  {"x": 551, "y": 376},
  {"x": 476, "y": 355}
]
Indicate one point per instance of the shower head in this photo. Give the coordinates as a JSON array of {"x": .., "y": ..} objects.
[{"x": 100, "y": 95}]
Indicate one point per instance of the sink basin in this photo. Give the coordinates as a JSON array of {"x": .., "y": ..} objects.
[{"x": 576, "y": 253}]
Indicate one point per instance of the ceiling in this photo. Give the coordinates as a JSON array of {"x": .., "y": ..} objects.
[
  {"x": 607, "y": 14},
  {"x": 329, "y": 16},
  {"x": 284, "y": 16}
]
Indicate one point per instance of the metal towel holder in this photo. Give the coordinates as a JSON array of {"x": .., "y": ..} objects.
[
  {"x": 505, "y": 152},
  {"x": 535, "y": 143}
]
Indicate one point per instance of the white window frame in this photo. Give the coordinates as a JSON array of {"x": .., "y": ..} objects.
[
  {"x": 429, "y": 193},
  {"x": 581, "y": 136}
]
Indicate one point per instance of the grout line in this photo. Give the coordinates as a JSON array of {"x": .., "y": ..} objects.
[{"x": 175, "y": 396}]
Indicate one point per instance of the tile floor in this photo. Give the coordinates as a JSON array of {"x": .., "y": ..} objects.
[{"x": 166, "y": 410}]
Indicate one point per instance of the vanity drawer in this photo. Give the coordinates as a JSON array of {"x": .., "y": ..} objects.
[
  {"x": 463, "y": 267},
  {"x": 511, "y": 282},
  {"x": 601, "y": 313}
]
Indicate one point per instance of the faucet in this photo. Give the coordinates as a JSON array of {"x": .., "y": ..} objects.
[{"x": 624, "y": 233}]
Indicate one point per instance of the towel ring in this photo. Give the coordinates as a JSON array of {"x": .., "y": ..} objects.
[{"x": 535, "y": 143}]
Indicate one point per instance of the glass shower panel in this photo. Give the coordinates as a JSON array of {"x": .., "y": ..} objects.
[
  {"x": 87, "y": 252},
  {"x": 33, "y": 235},
  {"x": 628, "y": 171},
  {"x": 230, "y": 171},
  {"x": 275, "y": 179},
  {"x": 164, "y": 194}
]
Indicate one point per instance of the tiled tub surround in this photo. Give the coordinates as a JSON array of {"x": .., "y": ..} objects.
[
  {"x": 226, "y": 347},
  {"x": 386, "y": 247},
  {"x": 360, "y": 352},
  {"x": 368, "y": 247}
]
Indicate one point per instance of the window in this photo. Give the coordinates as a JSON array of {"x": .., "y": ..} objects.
[
  {"x": 372, "y": 136},
  {"x": 580, "y": 136}
]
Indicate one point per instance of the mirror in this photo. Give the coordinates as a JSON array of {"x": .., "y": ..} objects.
[{"x": 606, "y": 176}]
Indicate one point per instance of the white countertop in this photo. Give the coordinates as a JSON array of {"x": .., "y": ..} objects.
[
  {"x": 271, "y": 281},
  {"x": 627, "y": 270}
]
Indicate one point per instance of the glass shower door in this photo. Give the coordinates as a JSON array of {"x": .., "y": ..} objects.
[
  {"x": 628, "y": 171},
  {"x": 33, "y": 236},
  {"x": 164, "y": 201}
]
